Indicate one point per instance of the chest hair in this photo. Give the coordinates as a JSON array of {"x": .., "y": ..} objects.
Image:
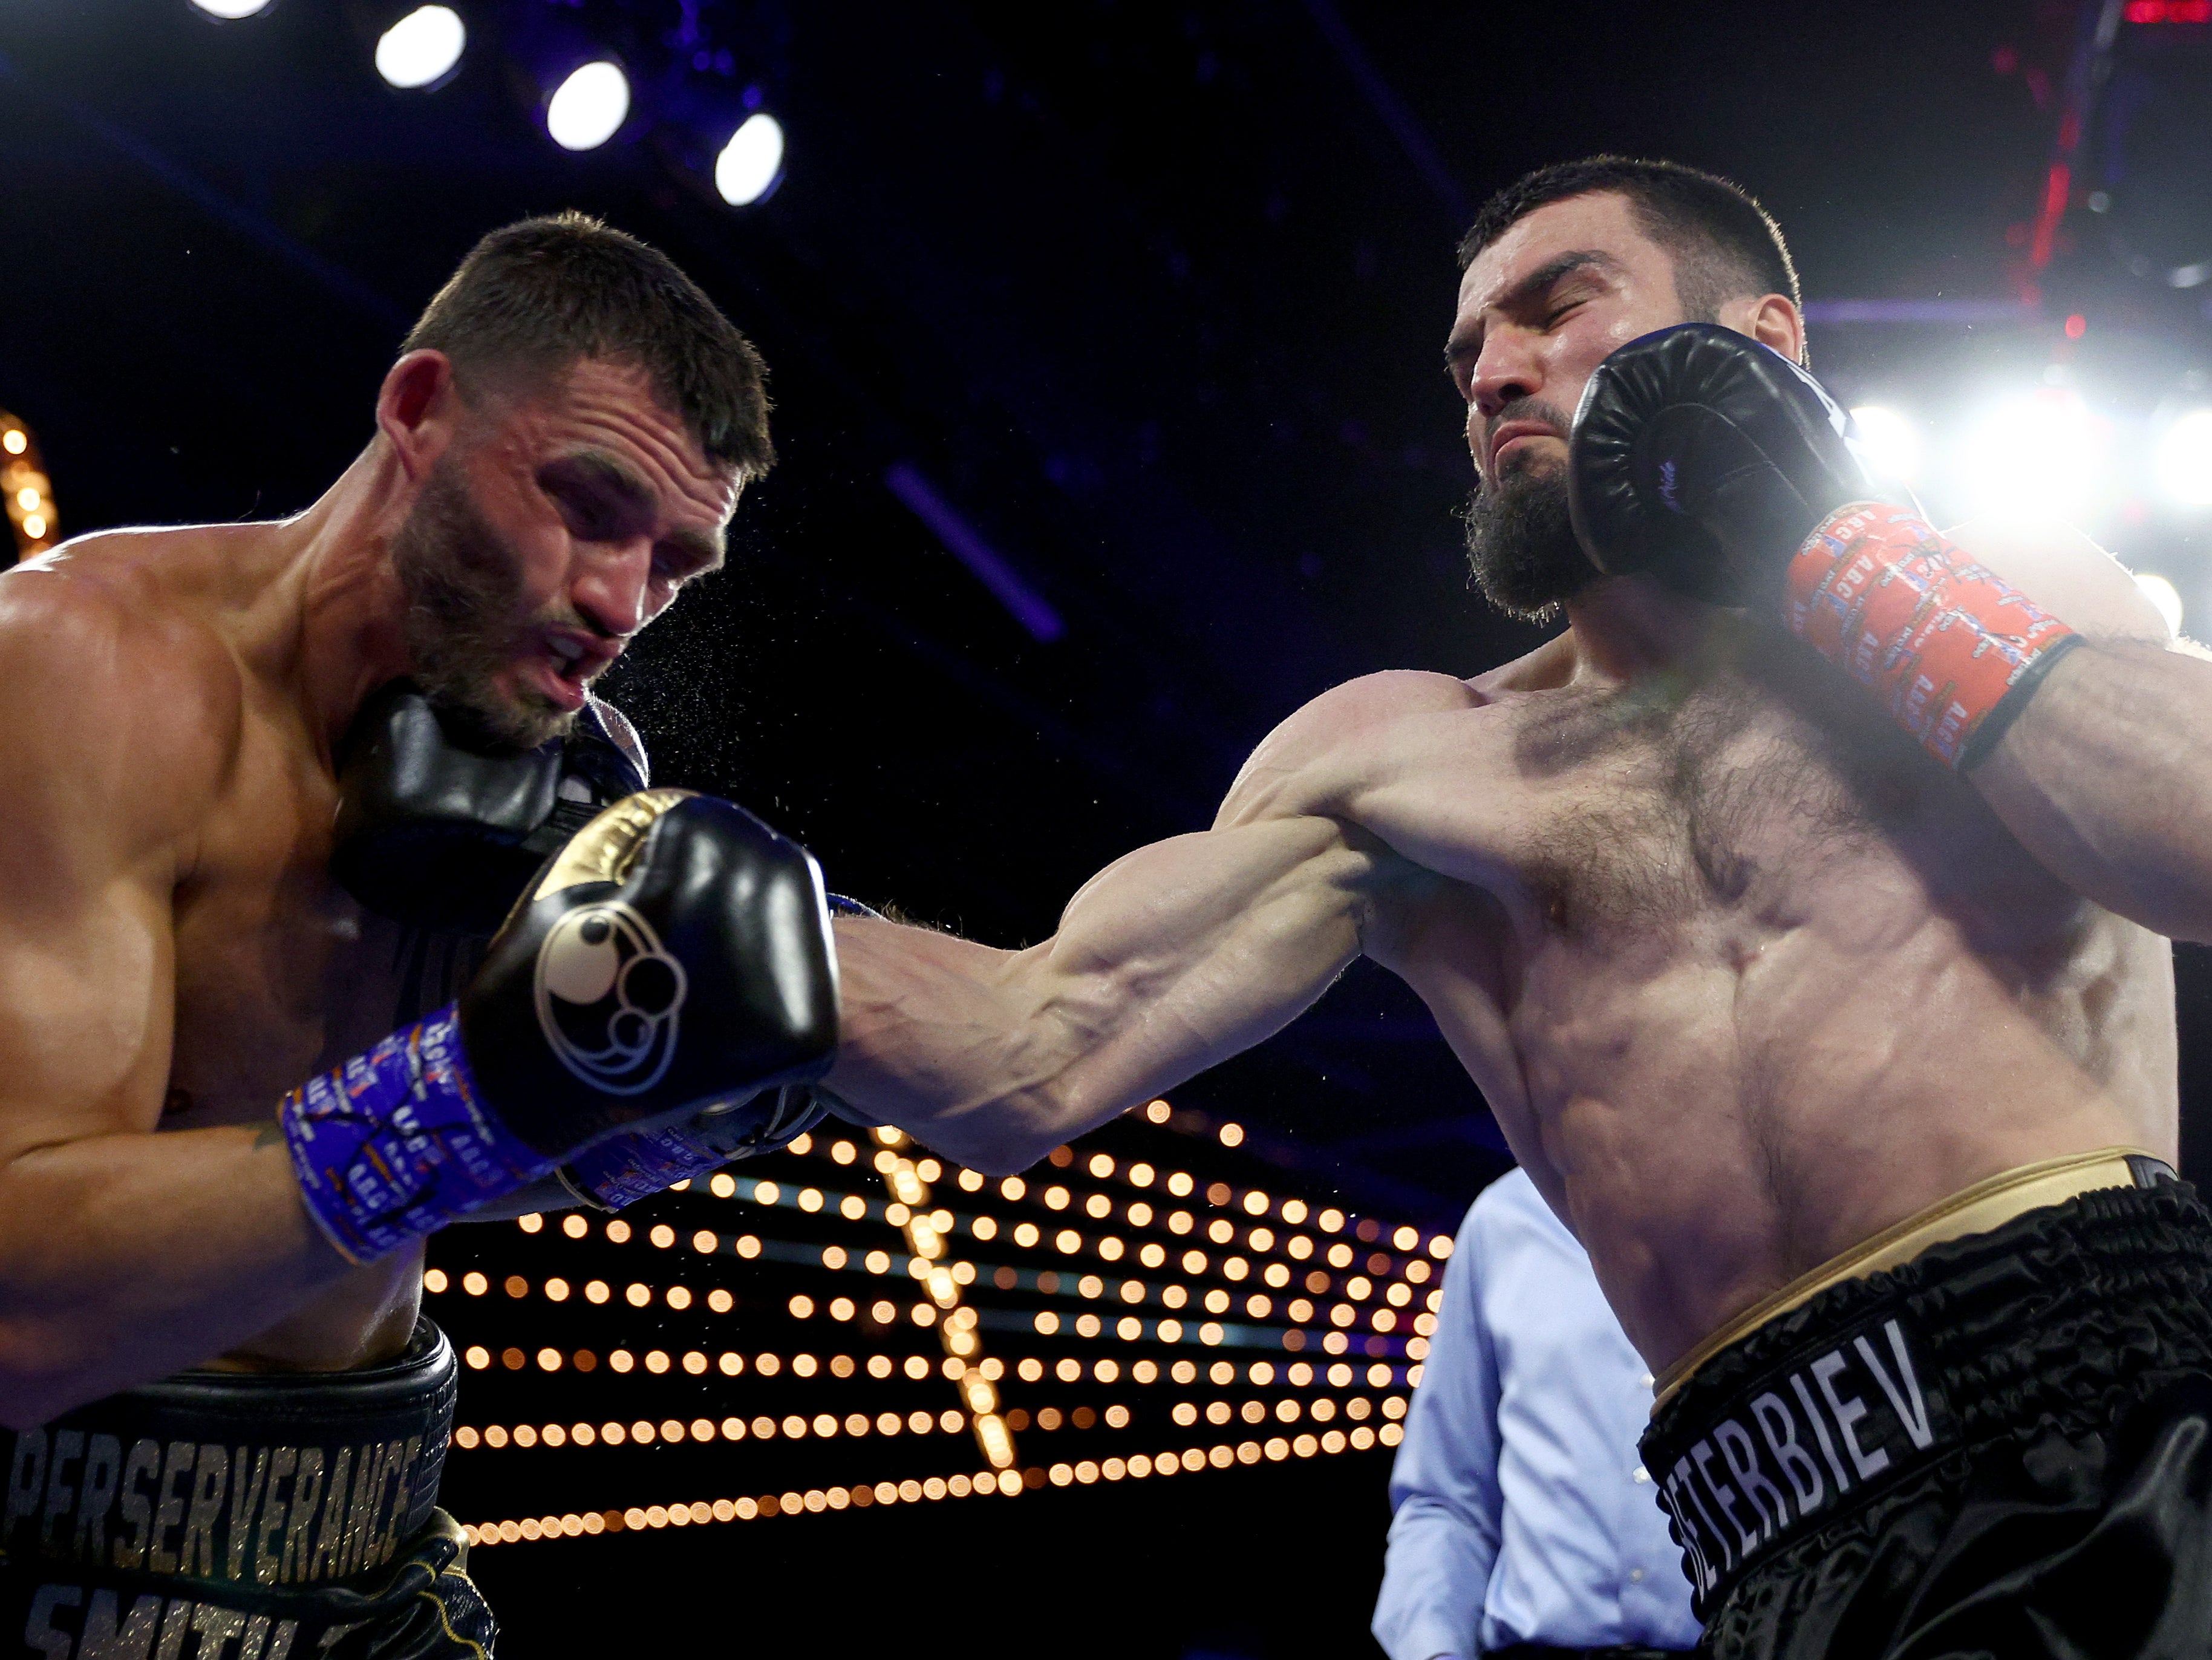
[{"x": 1673, "y": 794}]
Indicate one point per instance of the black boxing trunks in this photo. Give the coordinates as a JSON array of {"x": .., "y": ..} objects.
[
  {"x": 230, "y": 1516},
  {"x": 2000, "y": 1444}
]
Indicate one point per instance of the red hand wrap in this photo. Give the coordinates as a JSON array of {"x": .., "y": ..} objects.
[{"x": 1879, "y": 593}]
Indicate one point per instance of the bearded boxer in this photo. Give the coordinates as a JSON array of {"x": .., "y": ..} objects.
[
  {"x": 1798, "y": 909},
  {"x": 234, "y": 1096}
]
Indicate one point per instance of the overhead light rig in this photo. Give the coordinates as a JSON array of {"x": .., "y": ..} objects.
[{"x": 595, "y": 72}]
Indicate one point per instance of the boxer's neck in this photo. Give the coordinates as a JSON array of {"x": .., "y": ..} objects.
[
  {"x": 344, "y": 598},
  {"x": 1623, "y": 628}
]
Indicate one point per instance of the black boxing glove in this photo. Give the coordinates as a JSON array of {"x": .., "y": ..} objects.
[
  {"x": 674, "y": 955},
  {"x": 440, "y": 831},
  {"x": 1706, "y": 459},
  {"x": 636, "y": 1163},
  {"x": 1724, "y": 469}
]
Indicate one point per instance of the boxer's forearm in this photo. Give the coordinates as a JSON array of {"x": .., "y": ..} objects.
[
  {"x": 124, "y": 1257},
  {"x": 1175, "y": 957},
  {"x": 2106, "y": 777}
]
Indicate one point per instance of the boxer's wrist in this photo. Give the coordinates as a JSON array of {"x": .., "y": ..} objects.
[
  {"x": 1952, "y": 651},
  {"x": 398, "y": 1142},
  {"x": 638, "y": 1163}
]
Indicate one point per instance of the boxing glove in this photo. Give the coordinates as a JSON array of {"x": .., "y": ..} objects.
[
  {"x": 636, "y": 1163},
  {"x": 1724, "y": 469},
  {"x": 674, "y": 955},
  {"x": 437, "y": 831}
]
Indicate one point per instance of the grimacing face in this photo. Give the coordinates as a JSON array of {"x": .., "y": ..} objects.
[
  {"x": 559, "y": 523},
  {"x": 1539, "y": 310}
]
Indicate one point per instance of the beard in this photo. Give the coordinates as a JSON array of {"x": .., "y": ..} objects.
[
  {"x": 1521, "y": 544},
  {"x": 464, "y": 622}
]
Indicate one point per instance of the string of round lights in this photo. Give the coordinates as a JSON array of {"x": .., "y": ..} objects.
[
  {"x": 28, "y": 491},
  {"x": 1008, "y": 1482},
  {"x": 1097, "y": 1250}
]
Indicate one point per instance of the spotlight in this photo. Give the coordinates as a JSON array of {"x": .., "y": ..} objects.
[
  {"x": 2183, "y": 461},
  {"x": 422, "y": 48},
  {"x": 750, "y": 165},
  {"x": 2163, "y": 594},
  {"x": 1890, "y": 442},
  {"x": 589, "y": 107},
  {"x": 230, "y": 10},
  {"x": 2034, "y": 457}
]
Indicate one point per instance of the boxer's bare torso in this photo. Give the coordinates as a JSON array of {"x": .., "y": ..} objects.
[
  {"x": 274, "y": 973},
  {"x": 1743, "y": 974},
  {"x": 173, "y": 955}
]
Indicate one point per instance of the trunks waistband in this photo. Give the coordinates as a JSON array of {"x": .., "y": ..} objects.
[
  {"x": 2057, "y": 1321},
  {"x": 261, "y": 1479},
  {"x": 1986, "y": 1205}
]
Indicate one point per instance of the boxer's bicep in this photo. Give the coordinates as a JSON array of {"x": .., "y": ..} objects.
[
  {"x": 101, "y": 791},
  {"x": 1171, "y": 959}
]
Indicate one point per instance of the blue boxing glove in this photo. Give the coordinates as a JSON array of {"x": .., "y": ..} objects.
[
  {"x": 637, "y": 1163},
  {"x": 674, "y": 956}
]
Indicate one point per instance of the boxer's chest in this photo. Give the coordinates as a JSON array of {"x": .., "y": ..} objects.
[
  {"x": 1735, "y": 810},
  {"x": 278, "y": 973}
]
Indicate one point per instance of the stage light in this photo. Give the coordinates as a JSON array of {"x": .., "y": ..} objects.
[
  {"x": 2163, "y": 594},
  {"x": 2182, "y": 460},
  {"x": 588, "y": 109},
  {"x": 422, "y": 48},
  {"x": 1891, "y": 444},
  {"x": 231, "y": 10},
  {"x": 750, "y": 165},
  {"x": 2033, "y": 457}
]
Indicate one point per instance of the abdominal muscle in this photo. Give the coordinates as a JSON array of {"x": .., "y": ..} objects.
[{"x": 1718, "y": 1104}]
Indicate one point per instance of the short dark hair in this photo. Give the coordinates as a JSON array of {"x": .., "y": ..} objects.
[
  {"x": 1723, "y": 244},
  {"x": 536, "y": 296}
]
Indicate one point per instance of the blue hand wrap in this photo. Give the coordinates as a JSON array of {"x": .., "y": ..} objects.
[
  {"x": 638, "y": 1163},
  {"x": 396, "y": 1142}
]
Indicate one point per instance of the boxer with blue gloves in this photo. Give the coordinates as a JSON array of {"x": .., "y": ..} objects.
[{"x": 334, "y": 910}]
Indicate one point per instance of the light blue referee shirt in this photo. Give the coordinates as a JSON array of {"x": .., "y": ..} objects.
[{"x": 1520, "y": 1512}]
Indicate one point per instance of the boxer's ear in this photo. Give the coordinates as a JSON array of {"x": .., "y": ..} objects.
[
  {"x": 1772, "y": 321},
  {"x": 417, "y": 410}
]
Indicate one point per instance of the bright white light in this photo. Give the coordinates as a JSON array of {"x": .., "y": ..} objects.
[
  {"x": 2161, "y": 593},
  {"x": 1891, "y": 441},
  {"x": 420, "y": 48},
  {"x": 231, "y": 8},
  {"x": 2184, "y": 460},
  {"x": 588, "y": 107},
  {"x": 751, "y": 162},
  {"x": 2036, "y": 456}
]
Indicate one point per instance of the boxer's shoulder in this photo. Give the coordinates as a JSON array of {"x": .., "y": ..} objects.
[
  {"x": 1360, "y": 711},
  {"x": 124, "y": 705},
  {"x": 1335, "y": 743}
]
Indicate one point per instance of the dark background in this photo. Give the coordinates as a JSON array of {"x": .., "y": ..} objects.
[{"x": 1152, "y": 296}]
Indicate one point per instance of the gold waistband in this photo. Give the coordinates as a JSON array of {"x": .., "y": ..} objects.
[{"x": 1977, "y": 1209}]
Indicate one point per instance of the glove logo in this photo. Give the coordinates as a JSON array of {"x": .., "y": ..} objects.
[{"x": 608, "y": 996}]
